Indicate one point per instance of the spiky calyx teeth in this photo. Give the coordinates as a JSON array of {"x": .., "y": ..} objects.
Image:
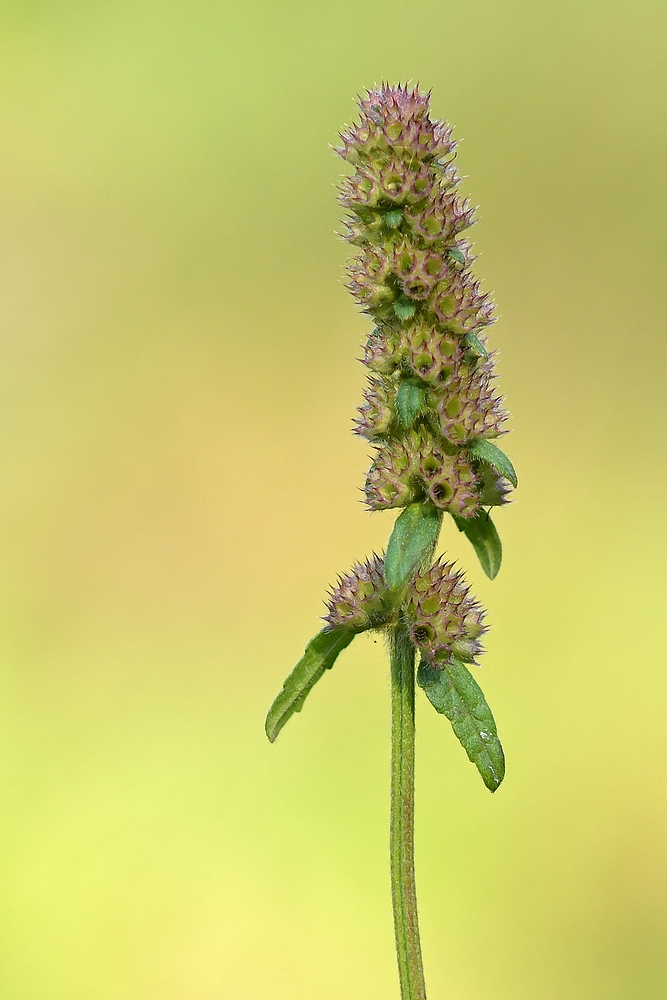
[
  {"x": 445, "y": 621},
  {"x": 412, "y": 274},
  {"x": 441, "y": 293},
  {"x": 383, "y": 185},
  {"x": 396, "y": 120},
  {"x": 378, "y": 217},
  {"x": 419, "y": 350},
  {"x": 493, "y": 488},
  {"x": 358, "y": 601},
  {"x": 392, "y": 479},
  {"x": 467, "y": 407},
  {"x": 377, "y": 412},
  {"x": 415, "y": 468},
  {"x": 460, "y": 414}
]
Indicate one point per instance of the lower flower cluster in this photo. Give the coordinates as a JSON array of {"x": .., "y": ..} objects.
[{"x": 444, "y": 621}]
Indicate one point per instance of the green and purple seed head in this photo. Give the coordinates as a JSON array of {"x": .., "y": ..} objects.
[
  {"x": 395, "y": 123},
  {"x": 358, "y": 601},
  {"x": 412, "y": 274},
  {"x": 417, "y": 467},
  {"x": 406, "y": 212},
  {"x": 445, "y": 621}
]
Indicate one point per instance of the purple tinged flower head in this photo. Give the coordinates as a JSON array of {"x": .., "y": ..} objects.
[
  {"x": 445, "y": 620},
  {"x": 412, "y": 274},
  {"x": 358, "y": 601}
]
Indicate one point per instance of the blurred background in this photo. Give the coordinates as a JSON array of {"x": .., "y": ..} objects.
[{"x": 180, "y": 486}]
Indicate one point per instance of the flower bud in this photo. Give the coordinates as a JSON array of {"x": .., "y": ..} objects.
[
  {"x": 384, "y": 351},
  {"x": 393, "y": 478},
  {"x": 468, "y": 407},
  {"x": 377, "y": 413},
  {"x": 445, "y": 621},
  {"x": 459, "y": 305},
  {"x": 416, "y": 467},
  {"x": 357, "y": 601}
]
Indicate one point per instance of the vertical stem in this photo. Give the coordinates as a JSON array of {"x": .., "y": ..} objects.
[{"x": 403, "y": 891}]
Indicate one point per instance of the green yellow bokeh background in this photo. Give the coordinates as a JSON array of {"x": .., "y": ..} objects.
[{"x": 179, "y": 487}]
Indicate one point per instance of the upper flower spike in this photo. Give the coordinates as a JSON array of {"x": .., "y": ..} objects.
[
  {"x": 396, "y": 119},
  {"x": 412, "y": 274}
]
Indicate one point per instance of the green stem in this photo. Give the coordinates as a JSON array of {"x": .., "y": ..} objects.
[{"x": 403, "y": 891}]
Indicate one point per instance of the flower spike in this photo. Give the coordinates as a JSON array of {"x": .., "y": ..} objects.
[{"x": 431, "y": 413}]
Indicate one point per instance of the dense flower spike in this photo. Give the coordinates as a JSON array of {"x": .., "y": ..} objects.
[
  {"x": 358, "y": 602},
  {"x": 412, "y": 275},
  {"x": 445, "y": 621},
  {"x": 431, "y": 413}
]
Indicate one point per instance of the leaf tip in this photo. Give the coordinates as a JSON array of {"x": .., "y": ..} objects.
[
  {"x": 270, "y": 730},
  {"x": 494, "y": 781}
]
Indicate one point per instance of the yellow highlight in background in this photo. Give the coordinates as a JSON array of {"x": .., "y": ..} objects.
[{"x": 180, "y": 486}]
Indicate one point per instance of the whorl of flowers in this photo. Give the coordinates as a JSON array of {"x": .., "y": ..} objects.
[
  {"x": 445, "y": 620},
  {"x": 431, "y": 392},
  {"x": 358, "y": 600}
]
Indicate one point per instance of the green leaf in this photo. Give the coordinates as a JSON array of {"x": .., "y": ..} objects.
[
  {"x": 494, "y": 457},
  {"x": 454, "y": 692},
  {"x": 492, "y": 487},
  {"x": 474, "y": 344},
  {"x": 320, "y": 655},
  {"x": 404, "y": 308},
  {"x": 410, "y": 401},
  {"x": 413, "y": 539},
  {"x": 481, "y": 531}
]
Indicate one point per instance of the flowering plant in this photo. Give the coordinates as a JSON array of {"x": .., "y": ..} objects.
[{"x": 431, "y": 412}]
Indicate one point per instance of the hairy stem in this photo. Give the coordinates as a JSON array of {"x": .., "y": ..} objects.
[{"x": 403, "y": 891}]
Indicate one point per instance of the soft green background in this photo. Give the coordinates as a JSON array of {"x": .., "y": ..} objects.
[{"x": 179, "y": 486}]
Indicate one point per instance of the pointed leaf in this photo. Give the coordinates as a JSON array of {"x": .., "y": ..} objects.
[
  {"x": 494, "y": 457},
  {"x": 474, "y": 344},
  {"x": 410, "y": 400},
  {"x": 404, "y": 308},
  {"x": 481, "y": 531},
  {"x": 320, "y": 655},
  {"x": 492, "y": 487},
  {"x": 454, "y": 692},
  {"x": 412, "y": 541}
]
